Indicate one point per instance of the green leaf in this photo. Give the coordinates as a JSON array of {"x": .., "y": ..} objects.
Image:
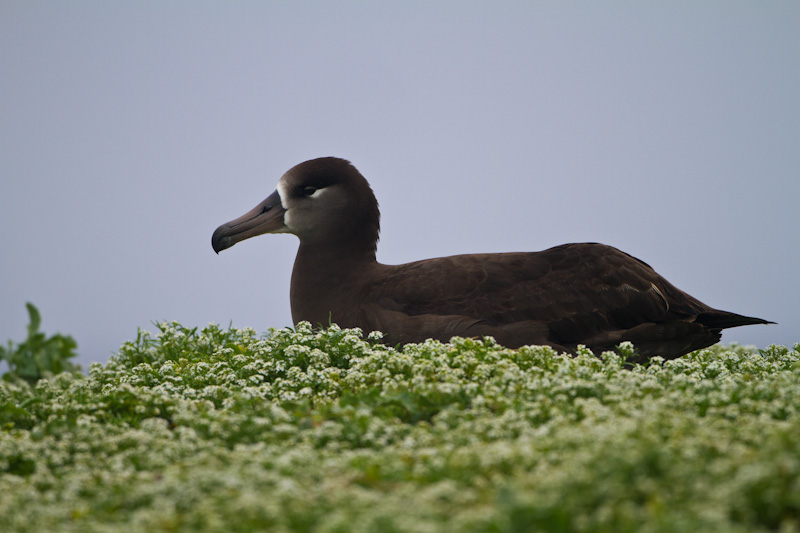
[
  {"x": 39, "y": 356},
  {"x": 36, "y": 319}
]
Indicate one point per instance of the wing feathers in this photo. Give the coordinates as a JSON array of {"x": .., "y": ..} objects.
[{"x": 568, "y": 295}]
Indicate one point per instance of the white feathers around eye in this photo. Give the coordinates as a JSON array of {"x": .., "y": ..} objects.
[
  {"x": 300, "y": 216},
  {"x": 283, "y": 193}
]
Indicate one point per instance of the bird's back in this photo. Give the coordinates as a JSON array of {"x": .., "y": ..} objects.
[{"x": 572, "y": 294}]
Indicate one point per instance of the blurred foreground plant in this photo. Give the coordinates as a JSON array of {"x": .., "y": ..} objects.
[
  {"x": 298, "y": 430},
  {"x": 39, "y": 356}
]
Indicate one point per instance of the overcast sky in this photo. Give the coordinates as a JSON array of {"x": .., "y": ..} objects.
[{"x": 131, "y": 130}]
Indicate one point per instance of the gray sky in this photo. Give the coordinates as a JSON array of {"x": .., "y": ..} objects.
[{"x": 130, "y": 131}]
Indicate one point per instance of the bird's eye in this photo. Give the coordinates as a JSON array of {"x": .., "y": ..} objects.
[{"x": 308, "y": 190}]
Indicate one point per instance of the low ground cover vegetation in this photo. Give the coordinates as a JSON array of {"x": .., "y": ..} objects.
[{"x": 303, "y": 430}]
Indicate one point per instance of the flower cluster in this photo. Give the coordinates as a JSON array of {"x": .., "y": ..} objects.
[{"x": 308, "y": 430}]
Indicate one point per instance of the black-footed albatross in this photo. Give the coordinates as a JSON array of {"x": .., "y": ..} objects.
[{"x": 585, "y": 293}]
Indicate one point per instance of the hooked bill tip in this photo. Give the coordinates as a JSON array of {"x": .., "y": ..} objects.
[{"x": 219, "y": 241}]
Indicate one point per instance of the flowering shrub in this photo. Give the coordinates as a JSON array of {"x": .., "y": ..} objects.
[{"x": 305, "y": 430}]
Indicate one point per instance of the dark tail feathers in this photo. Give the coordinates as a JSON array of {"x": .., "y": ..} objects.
[{"x": 724, "y": 319}]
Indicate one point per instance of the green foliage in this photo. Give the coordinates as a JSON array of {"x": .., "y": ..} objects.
[
  {"x": 305, "y": 430},
  {"x": 39, "y": 356}
]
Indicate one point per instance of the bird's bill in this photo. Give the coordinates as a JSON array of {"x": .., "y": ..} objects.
[{"x": 266, "y": 217}]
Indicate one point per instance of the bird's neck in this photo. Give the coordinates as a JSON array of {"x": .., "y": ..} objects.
[
  {"x": 336, "y": 256},
  {"x": 326, "y": 277}
]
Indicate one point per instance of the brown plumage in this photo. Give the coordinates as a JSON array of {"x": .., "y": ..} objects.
[{"x": 572, "y": 294}]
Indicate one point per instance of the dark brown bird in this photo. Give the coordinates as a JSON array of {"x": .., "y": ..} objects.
[{"x": 587, "y": 293}]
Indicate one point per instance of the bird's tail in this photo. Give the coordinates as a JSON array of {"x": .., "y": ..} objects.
[{"x": 723, "y": 319}]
